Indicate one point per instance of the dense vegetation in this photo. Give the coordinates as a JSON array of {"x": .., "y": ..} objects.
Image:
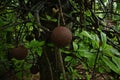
[{"x": 26, "y": 47}]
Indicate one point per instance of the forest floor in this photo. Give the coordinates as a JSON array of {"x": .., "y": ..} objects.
[{"x": 95, "y": 75}]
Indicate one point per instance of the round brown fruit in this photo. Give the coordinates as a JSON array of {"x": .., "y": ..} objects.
[
  {"x": 19, "y": 52},
  {"x": 34, "y": 69},
  {"x": 61, "y": 36}
]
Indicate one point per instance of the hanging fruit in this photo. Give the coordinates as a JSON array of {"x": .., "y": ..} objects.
[
  {"x": 19, "y": 52},
  {"x": 61, "y": 36}
]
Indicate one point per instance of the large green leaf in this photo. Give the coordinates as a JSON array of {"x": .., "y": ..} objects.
[
  {"x": 116, "y": 60},
  {"x": 35, "y": 44},
  {"x": 93, "y": 37},
  {"x": 115, "y": 51},
  {"x": 86, "y": 34},
  {"x": 103, "y": 39},
  {"x": 110, "y": 51},
  {"x": 75, "y": 46},
  {"x": 68, "y": 58},
  {"x": 88, "y": 13},
  {"x": 118, "y": 7},
  {"x": 89, "y": 56},
  {"x": 110, "y": 64},
  {"x": 39, "y": 51},
  {"x": 95, "y": 41}
]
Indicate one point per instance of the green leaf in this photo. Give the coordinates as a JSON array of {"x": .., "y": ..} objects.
[
  {"x": 110, "y": 64},
  {"x": 48, "y": 17},
  {"x": 116, "y": 60},
  {"x": 68, "y": 58},
  {"x": 50, "y": 45},
  {"x": 88, "y": 76},
  {"x": 54, "y": 20},
  {"x": 118, "y": 7},
  {"x": 85, "y": 33},
  {"x": 110, "y": 51},
  {"x": 2, "y": 22},
  {"x": 39, "y": 51},
  {"x": 10, "y": 29},
  {"x": 103, "y": 39},
  {"x": 114, "y": 51},
  {"x": 89, "y": 56},
  {"x": 95, "y": 41},
  {"x": 65, "y": 51},
  {"x": 88, "y": 13},
  {"x": 43, "y": 18},
  {"x": 35, "y": 44},
  {"x": 30, "y": 15},
  {"x": 75, "y": 46}
]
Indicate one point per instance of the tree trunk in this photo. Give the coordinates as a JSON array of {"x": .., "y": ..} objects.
[{"x": 49, "y": 65}]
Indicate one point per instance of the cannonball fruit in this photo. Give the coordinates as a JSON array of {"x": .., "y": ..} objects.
[
  {"x": 34, "y": 69},
  {"x": 19, "y": 52},
  {"x": 61, "y": 36}
]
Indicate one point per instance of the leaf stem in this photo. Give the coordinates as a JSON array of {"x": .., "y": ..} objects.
[{"x": 95, "y": 63}]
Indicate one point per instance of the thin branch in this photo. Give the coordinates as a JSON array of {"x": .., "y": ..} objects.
[
  {"x": 102, "y": 5},
  {"x": 114, "y": 13},
  {"x": 95, "y": 63},
  {"x": 36, "y": 10},
  {"x": 110, "y": 42},
  {"x": 38, "y": 21},
  {"x": 48, "y": 64},
  {"x": 62, "y": 64},
  {"x": 63, "y": 20},
  {"x": 14, "y": 24}
]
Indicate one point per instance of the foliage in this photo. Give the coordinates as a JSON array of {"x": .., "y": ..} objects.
[{"x": 95, "y": 46}]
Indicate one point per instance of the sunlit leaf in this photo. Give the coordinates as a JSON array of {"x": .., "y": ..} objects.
[
  {"x": 86, "y": 34},
  {"x": 115, "y": 51},
  {"x": 65, "y": 51},
  {"x": 89, "y": 56},
  {"x": 110, "y": 64},
  {"x": 118, "y": 7},
  {"x": 88, "y": 13},
  {"x": 68, "y": 58},
  {"x": 39, "y": 51},
  {"x": 104, "y": 39},
  {"x": 35, "y": 44},
  {"x": 75, "y": 46},
  {"x": 116, "y": 60},
  {"x": 48, "y": 17},
  {"x": 95, "y": 41},
  {"x": 54, "y": 20}
]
